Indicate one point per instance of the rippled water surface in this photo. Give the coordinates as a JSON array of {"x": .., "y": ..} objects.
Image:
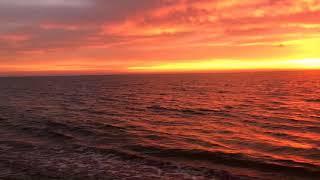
[{"x": 204, "y": 126}]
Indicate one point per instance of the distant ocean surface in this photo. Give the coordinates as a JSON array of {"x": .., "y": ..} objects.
[{"x": 261, "y": 125}]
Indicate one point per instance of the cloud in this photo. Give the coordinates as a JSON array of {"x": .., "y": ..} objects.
[
  {"x": 45, "y": 3},
  {"x": 149, "y": 31}
]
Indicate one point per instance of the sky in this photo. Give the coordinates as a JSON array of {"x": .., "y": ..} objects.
[{"x": 124, "y": 36}]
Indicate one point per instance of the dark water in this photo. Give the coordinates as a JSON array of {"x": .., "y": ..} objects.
[{"x": 209, "y": 126}]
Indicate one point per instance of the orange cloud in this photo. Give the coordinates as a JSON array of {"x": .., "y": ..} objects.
[
  {"x": 52, "y": 26},
  {"x": 14, "y": 38}
]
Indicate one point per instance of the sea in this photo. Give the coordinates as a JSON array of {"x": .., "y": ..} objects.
[{"x": 240, "y": 125}]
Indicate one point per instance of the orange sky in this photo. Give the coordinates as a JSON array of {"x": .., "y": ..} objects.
[{"x": 112, "y": 36}]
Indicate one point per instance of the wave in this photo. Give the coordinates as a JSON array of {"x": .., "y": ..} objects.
[
  {"x": 90, "y": 162},
  {"x": 126, "y": 153},
  {"x": 196, "y": 111},
  {"x": 232, "y": 159},
  {"x": 61, "y": 130},
  {"x": 313, "y": 100}
]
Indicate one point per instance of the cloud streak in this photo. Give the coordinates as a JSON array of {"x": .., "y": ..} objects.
[{"x": 45, "y": 3}]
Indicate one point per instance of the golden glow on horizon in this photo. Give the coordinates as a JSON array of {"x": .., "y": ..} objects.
[
  {"x": 219, "y": 65},
  {"x": 189, "y": 66}
]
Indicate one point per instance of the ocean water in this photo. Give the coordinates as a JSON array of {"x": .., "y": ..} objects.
[{"x": 262, "y": 125}]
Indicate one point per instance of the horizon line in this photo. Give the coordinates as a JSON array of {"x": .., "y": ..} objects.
[{"x": 68, "y": 74}]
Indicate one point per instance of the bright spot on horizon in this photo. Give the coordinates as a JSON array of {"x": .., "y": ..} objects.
[{"x": 232, "y": 65}]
